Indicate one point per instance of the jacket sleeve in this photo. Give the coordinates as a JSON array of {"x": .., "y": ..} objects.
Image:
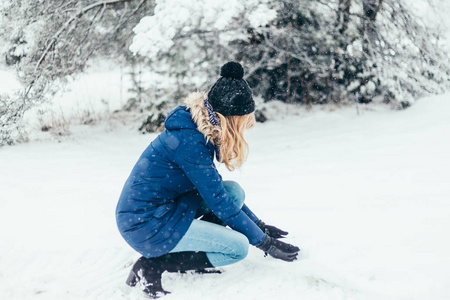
[
  {"x": 196, "y": 160},
  {"x": 249, "y": 213}
]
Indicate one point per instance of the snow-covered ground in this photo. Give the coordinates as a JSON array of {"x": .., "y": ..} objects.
[{"x": 365, "y": 196}]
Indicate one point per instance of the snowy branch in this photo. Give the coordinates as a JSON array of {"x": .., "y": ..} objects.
[
  {"x": 121, "y": 22},
  {"x": 75, "y": 16},
  {"x": 287, "y": 52}
]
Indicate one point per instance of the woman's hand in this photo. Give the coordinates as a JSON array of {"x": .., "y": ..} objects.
[
  {"x": 272, "y": 231},
  {"x": 279, "y": 249}
]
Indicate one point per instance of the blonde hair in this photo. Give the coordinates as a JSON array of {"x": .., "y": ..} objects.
[{"x": 233, "y": 147}]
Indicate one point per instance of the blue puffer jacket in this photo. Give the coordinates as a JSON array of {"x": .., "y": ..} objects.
[{"x": 151, "y": 215}]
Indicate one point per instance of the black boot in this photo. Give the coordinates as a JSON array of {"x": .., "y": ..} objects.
[
  {"x": 212, "y": 218},
  {"x": 190, "y": 260},
  {"x": 147, "y": 271}
]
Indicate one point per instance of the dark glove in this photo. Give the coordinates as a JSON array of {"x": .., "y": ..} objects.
[
  {"x": 272, "y": 231},
  {"x": 279, "y": 249}
]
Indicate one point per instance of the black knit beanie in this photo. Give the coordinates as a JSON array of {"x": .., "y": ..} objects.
[{"x": 231, "y": 95}]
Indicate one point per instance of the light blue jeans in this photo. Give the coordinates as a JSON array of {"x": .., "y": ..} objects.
[{"x": 222, "y": 245}]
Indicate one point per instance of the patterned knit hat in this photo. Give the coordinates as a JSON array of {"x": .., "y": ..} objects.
[{"x": 231, "y": 95}]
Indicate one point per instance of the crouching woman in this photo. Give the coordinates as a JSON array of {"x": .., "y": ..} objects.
[{"x": 174, "y": 207}]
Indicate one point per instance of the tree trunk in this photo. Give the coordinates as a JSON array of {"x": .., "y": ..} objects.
[
  {"x": 343, "y": 16},
  {"x": 288, "y": 77},
  {"x": 371, "y": 9}
]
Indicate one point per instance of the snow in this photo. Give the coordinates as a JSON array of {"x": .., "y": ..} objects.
[
  {"x": 364, "y": 193},
  {"x": 8, "y": 82},
  {"x": 174, "y": 17},
  {"x": 435, "y": 14},
  {"x": 102, "y": 90},
  {"x": 85, "y": 98},
  {"x": 261, "y": 16}
]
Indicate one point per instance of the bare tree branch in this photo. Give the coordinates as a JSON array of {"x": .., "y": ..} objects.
[
  {"x": 121, "y": 22},
  {"x": 80, "y": 13},
  {"x": 273, "y": 46}
]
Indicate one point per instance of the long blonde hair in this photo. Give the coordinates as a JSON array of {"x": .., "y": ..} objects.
[{"x": 233, "y": 147}]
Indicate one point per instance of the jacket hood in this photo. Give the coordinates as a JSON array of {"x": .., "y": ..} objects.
[
  {"x": 193, "y": 116},
  {"x": 179, "y": 118}
]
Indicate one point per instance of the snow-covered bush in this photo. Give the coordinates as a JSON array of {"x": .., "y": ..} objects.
[
  {"x": 310, "y": 51},
  {"x": 10, "y": 117},
  {"x": 189, "y": 40},
  {"x": 48, "y": 40}
]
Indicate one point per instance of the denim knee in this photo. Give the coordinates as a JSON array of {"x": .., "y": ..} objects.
[
  {"x": 235, "y": 192},
  {"x": 240, "y": 246}
]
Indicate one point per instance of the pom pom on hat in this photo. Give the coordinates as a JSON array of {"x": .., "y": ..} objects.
[{"x": 232, "y": 70}]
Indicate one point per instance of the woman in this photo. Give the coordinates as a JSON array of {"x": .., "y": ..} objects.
[{"x": 175, "y": 182}]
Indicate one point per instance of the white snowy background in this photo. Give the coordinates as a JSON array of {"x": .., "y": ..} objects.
[{"x": 364, "y": 192}]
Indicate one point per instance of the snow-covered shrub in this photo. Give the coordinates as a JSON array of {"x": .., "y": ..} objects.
[
  {"x": 10, "y": 116},
  {"x": 310, "y": 51},
  {"x": 47, "y": 41},
  {"x": 188, "y": 41},
  {"x": 185, "y": 43}
]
